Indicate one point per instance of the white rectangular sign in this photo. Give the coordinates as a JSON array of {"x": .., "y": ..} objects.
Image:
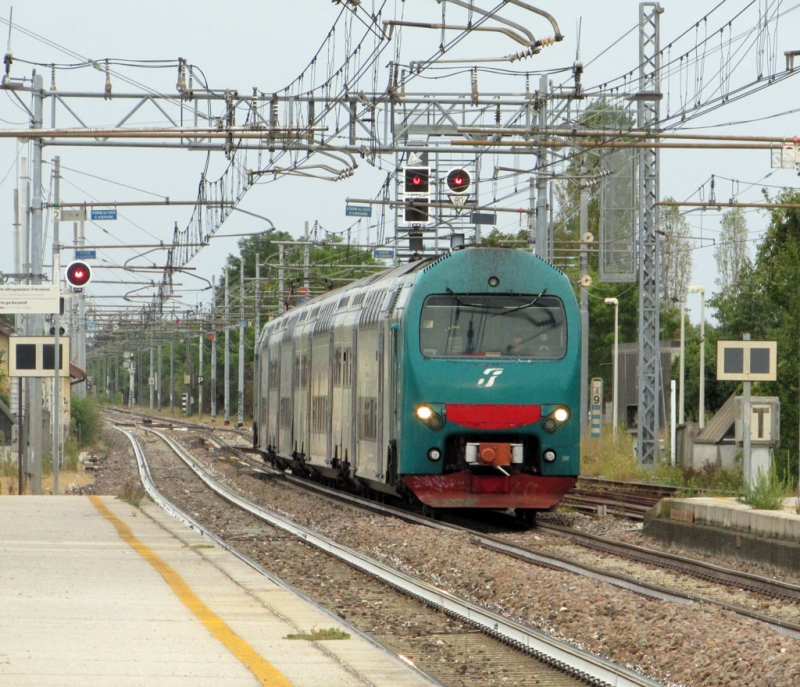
[
  {"x": 29, "y": 299},
  {"x": 32, "y": 356},
  {"x": 747, "y": 361}
]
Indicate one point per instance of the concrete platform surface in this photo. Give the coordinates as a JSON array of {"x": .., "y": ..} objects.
[
  {"x": 725, "y": 527},
  {"x": 96, "y": 592},
  {"x": 729, "y": 513}
]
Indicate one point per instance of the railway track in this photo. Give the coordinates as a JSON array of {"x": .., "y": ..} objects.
[
  {"x": 627, "y": 499},
  {"x": 578, "y": 666},
  {"x": 598, "y": 567}
]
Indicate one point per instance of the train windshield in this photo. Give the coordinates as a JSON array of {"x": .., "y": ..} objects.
[{"x": 499, "y": 326}]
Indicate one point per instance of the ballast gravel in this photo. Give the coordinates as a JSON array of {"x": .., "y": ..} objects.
[{"x": 676, "y": 644}]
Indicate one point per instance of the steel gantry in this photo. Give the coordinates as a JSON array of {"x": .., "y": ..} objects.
[
  {"x": 346, "y": 121},
  {"x": 648, "y": 99}
]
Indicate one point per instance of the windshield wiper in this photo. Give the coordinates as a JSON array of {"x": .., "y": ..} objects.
[{"x": 525, "y": 305}]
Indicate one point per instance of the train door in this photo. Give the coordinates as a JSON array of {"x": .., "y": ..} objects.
[
  {"x": 262, "y": 392},
  {"x": 286, "y": 408},
  {"x": 342, "y": 412},
  {"x": 380, "y": 431},
  {"x": 273, "y": 395},
  {"x": 366, "y": 387}
]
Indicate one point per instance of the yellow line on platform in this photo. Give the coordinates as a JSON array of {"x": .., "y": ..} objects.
[{"x": 266, "y": 673}]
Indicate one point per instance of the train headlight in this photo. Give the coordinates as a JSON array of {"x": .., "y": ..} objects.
[
  {"x": 429, "y": 417},
  {"x": 434, "y": 454},
  {"x": 424, "y": 413},
  {"x": 549, "y": 455},
  {"x": 561, "y": 414},
  {"x": 556, "y": 418}
]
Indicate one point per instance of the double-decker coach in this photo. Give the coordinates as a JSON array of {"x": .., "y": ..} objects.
[{"x": 453, "y": 380}]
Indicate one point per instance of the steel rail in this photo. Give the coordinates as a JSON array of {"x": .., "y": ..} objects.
[
  {"x": 180, "y": 515},
  {"x": 592, "y": 668},
  {"x": 697, "y": 568},
  {"x": 704, "y": 570}
]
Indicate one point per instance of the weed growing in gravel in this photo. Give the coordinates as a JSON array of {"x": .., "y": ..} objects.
[
  {"x": 132, "y": 492},
  {"x": 768, "y": 492},
  {"x": 320, "y": 635}
]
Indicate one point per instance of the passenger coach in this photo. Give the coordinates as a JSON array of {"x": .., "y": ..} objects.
[{"x": 455, "y": 380}]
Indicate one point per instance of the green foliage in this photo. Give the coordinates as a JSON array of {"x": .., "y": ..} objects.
[
  {"x": 614, "y": 457},
  {"x": 762, "y": 301},
  {"x": 711, "y": 481},
  {"x": 86, "y": 420},
  {"x": 768, "y": 492},
  {"x": 8, "y": 465},
  {"x": 71, "y": 454}
]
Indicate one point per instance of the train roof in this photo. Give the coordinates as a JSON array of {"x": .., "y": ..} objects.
[{"x": 392, "y": 273}]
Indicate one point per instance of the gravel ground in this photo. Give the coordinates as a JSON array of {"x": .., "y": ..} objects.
[{"x": 678, "y": 645}]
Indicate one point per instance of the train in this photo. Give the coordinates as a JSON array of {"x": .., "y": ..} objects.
[{"x": 450, "y": 382}]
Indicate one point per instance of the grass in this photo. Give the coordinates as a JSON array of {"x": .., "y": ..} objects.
[
  {"x": 320, "y": 635},
  {"x": 613, "y": 457},
  {"x": 768, "y": 492},
  {"x": 70, "y": 476},
  {"x": 132, "y": 492}
]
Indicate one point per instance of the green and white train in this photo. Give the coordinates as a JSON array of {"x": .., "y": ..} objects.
[{"x": 453, "y": 380}]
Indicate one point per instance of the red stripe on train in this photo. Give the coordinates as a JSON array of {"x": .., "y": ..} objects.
[{"x": 494, "y": 416}]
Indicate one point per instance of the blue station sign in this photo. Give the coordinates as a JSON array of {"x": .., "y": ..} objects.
[
  {"x": 104, "y": 214},
  {"x": 358, "y": 211}
]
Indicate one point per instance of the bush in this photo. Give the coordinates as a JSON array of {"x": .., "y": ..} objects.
[
  {"x": 768, "y": 492},
  {"x": 86, "y": 420}
]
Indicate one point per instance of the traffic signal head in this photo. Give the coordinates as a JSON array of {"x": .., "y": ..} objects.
[
  {"x": 415, "y": 211},
  {"x": 79, "y": 274},
  {"x": 417, "y": 181},
  {"x": 459, "y": 180}
]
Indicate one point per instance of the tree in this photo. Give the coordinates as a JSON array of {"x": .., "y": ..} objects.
[
  {"x": 731, "y": 251},
  {"x": 332, "y": 263},
  {"x": 676, "y": 255},
  {"x": 762, "y": 302}
]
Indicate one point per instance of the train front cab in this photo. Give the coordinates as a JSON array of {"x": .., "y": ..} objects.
[{"x": 491, "y": 390}]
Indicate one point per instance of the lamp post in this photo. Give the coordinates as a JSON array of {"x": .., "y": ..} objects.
[
  {"x": 615, "y": 303},
  {"x": 701, "y": 412}
]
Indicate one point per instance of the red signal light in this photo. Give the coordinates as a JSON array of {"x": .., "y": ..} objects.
[
  {"x": 417, "y": 180},
  {"x": 459, "y": 180},
  {"x": 79, "y": 274}
]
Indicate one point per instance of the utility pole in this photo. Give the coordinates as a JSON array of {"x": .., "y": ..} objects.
[
  {"x": 584, "y": 304},
  {"x": 541, "y": 177},
  {"x": 227, "y": 380},
  {"x": 257, "y": 317},
  {"x": 34, "y": 324},
  {"x": 151, "y": 380},
  {"x": 79, "y": 323},
  {"x": 240, "y": 390},
  {"x": 200, "y": 345},
  {"x": 213, "y": 349},
  {"x": 171, "y": 376},
  {"x": 158, "y": 380},
  {"x": 187, "y": 375},
  {"x": 55, "y": 419}
]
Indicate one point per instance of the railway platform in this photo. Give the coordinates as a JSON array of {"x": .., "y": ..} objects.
[
  {"x": 723, "y": 526},
  {"x": 94, "y": 591}
]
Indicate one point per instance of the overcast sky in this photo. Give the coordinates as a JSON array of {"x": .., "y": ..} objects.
[{"x": 243, "y": 44}]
